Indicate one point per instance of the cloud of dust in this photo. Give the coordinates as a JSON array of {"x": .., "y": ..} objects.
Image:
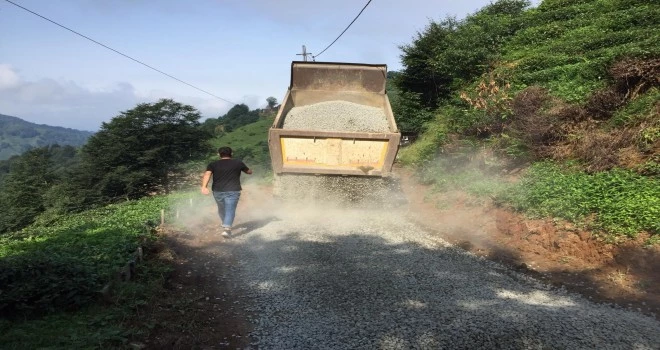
[
  {"x": 325, "y": 201},
  {"x": 459, "y": 200},
  {"x": 456, "y": 204},
  {"x": 194, "y": 212}
]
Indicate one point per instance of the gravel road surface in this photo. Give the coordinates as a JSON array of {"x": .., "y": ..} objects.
[{"x": 368, "y": 279}]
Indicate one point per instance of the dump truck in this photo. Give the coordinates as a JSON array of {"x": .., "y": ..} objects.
[
  {"x": 335, "y": 124},
  {"x": 334, "y": 149}
]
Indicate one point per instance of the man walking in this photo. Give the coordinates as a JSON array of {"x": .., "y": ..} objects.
[{"x": 226, "y": 186}]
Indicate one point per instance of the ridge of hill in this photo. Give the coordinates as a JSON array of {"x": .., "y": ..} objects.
[{"x": 18, "y": 136}]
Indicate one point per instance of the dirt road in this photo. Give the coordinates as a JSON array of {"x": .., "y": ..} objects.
[{"x": 315, "y": 277}]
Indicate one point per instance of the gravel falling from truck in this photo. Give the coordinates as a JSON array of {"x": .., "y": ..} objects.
[{"x": 339, "y": 191}]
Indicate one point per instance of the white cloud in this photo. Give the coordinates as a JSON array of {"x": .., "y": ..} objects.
[
  {"x": 68, "y": 104},
  {"x": 8, "y": 77}
]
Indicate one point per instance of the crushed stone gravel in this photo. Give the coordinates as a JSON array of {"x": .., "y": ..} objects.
[
  {"x": 337, "y": 116},
  {"x": 336, "y": 278}
]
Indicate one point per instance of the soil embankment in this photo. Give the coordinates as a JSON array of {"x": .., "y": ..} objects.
[{"x": 556, "y": 252}]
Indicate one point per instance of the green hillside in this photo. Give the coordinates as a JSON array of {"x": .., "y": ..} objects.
[
  {"x": 18, "y": 136},
  {"x": 567, "y": 90},
  {"x": 246, "y": 136},
  {"x": 249, "y": 142},
  {"x": 567, "y": 46},
  {"x": 49, "y": 270}
]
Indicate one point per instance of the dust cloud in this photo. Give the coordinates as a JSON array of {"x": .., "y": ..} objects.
[
  {"x": 455, "y": 195},
  {"x": 461, "y": 189},
  {"x": 324, "y": 201}
]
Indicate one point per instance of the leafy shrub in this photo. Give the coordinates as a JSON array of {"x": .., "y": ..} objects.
[
  {"x": 621, "y": 201},
  {"x": 65, "y": 264},
  {"x": 650, "y": 167},
  {"x": 426, "y": 147}
]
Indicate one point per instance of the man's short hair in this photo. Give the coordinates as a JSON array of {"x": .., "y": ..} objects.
[{"x": 224, "y": 151}]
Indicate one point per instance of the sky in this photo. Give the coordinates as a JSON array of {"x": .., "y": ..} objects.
[{"x": 240, "y": 50}]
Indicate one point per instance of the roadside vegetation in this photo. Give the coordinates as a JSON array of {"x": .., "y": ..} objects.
[
  {"x": 52, "y": 276},
  {"x": 569, "y": 88},
  {"x": 71, "y": 219},
  {"x": 554, "y": 111}
]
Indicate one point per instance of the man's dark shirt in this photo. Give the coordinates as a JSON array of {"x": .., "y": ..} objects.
[{"x": 227, "y": 174}]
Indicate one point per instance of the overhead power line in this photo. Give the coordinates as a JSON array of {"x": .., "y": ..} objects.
[
  {"x": 120, "y": 53},
  {"x": 342, "y": 33}
]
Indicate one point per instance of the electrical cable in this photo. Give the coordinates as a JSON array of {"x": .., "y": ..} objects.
[
  {"x": 127, "y": 56},
  {"x": 342, "y": 33}
]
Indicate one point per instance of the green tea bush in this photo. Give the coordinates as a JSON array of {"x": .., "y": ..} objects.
[
  {"x": 621, "y": 202},
  {"x": 568, "y": 46},
  {"x": 65, "y": 264}
]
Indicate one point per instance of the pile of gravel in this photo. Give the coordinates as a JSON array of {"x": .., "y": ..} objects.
[
  {"x": 322, "y": 278},
  {"x": 337, "y": 116}
]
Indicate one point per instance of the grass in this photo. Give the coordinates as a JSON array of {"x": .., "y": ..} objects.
[
  {"x": 426, "y": 148},
  {"x": 472, "y": 181}
]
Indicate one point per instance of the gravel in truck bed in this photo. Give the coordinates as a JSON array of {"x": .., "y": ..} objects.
[
  {"x": 337, "y": 116},
  {"x": 369, "y": 279}
]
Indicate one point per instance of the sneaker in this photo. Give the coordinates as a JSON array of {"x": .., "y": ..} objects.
[{"x": 226, "y": 232}]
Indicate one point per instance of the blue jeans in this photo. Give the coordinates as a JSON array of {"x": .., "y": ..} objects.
[{"x": 227, "y": 202}]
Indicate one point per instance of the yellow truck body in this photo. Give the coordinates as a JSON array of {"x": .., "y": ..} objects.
[{"x": 322, "y": 152}]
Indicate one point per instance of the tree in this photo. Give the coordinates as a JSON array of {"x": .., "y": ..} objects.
[
  {"x": 213, "y": 126},
  {"x": 238, "y": 116},
  {"x": 408, "y": 112},
  {"x": 236, "y": 111},
  {"x": 450, "y": 53},
  {"x": 272, "y": 102},
  {"x": 139, "y": 151},
  {"x": 21, "y": 200}
]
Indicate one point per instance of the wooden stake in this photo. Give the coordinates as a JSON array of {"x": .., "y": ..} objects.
[{"x": 162, "y": 217}]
